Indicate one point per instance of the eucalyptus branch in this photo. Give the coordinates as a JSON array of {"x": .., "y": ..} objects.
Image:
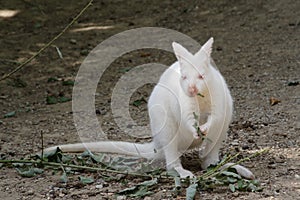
[
  {"x": 216, "y": 170},
  {"x": 53, "y": 164},
  {"x": 48, "y": 44}
]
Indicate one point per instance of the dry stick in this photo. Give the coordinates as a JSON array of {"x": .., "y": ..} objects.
[
  {"x": 48, "y": 44},
  {"x": 207, "y": 175},
  {"x": 42, "y": 138}
]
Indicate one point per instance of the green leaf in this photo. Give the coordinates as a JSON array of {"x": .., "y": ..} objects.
[
  {"x": 139, "y": 102},
  {"x": 126, "y": 69},
  {"x": 191, "y": 191},
  {"x": 173, "y": 173},
  {"x": 98, "y": 158},
  {"x": 177, "y": 183},
  {"x": 66, "y": 158},
  {"x": 251, "y": 187},
  {"x": 18, "y": 165},
  {"x": 37, "y": 25},
  {"x": 86, "y": 153},
  {"x": 31, "y": 172},
  {"x": 26, "y": 173},
  {"x": 63, "y": 178},
  {"x": 37, "y": 170},
  {"x": 52, "y": 156},
  {"x": 201, "y": 95},
  {"x": 10, "y": 114},
  {"x": 143, "y": 191},
  {"x": 68, "y": 82},
  {"x": 232, "y": 174},
  {"x": 64, "y": 99},
  {"x": 51, "y": 100},
  {"x": 128, "y": 190},
  {"x": 231, "y": 180},
  {"x": 140, "y": 190},
  {"x": 196, "y": 117},
  {"x": 232, "y": 187},
  {"x": 149, "y": 183},
  {"x": 241, "y": 185},
  {"x": 52, "y": 79},
  {"x": 86, "y": 180}
]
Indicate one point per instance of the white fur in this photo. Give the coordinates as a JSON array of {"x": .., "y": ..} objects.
[{"x": 171, "y": 106}]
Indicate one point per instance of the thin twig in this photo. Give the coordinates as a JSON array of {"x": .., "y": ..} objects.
[
  {"x": 48, "y": 44},
  {"x": 42, "y": 138},
  {"x": 10, "y": 61}
]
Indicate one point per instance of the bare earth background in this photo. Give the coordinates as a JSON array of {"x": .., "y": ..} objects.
[{"x": 257, "y": 49}]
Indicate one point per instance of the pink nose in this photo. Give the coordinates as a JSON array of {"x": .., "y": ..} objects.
[{"x": 193, "y": 90}]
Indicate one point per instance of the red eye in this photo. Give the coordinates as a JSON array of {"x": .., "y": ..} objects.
[{"x": 200, "y": 76}]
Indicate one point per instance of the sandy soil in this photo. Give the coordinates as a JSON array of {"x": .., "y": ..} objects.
[{"x": 256, "y": 48}]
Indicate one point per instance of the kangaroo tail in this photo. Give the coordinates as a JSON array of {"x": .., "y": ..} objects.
[{"x": 146, "y": 150}]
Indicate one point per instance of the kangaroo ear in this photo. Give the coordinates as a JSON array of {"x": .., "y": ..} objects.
[
  {"x": 180, "y": 51},
  {"x": 207, "y": 47}
]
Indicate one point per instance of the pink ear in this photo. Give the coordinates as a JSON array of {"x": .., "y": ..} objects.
[
  {"x": 207, "y": 47},
  {"x": 180, "y": 51}
]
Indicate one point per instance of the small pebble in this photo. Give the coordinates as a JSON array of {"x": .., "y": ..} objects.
[
  {"x": 272, "y": 166},
  {"x": 237, "y": 50},
  {"x": 219, "y": 48},
  {"x": 84, "y": 52},
  {"x": 61, "y": 194},
  {"x": 245, "y": 146},
  {"x": 121, "y": 197},
  {"x": 235, "y": 194},
  {"x": 73, "y": 41},
  {"x": 30, "y": 192},
  {"x": 99, "y": 186},
  {"x": 297, "y": 176}
]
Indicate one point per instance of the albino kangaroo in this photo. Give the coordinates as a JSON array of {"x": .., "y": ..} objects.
[{"x": 190, "y": 92}]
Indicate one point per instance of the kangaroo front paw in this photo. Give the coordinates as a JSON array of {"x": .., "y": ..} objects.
[
  {"x": 204, "y": 128},
  {"x": 183, "y": 173},
  {"x": 196, "y": 135},
  {"x": 201, "y": 131}
]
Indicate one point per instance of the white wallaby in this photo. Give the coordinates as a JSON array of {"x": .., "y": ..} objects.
[{"x": 190, "y": 92}]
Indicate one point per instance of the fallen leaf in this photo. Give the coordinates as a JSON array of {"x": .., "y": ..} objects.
[
  {"x": 145, "y": 54},
  {"x": 274, "y": 101},
  {"x": 64, "y": 178},
  {"x": 191, "y": 191},
  {"x": 86, "y": 180},
  {"x": 10, "y": 114},
  {"x": 68, "y": 82},
  {"x": 293, "y": 83}
]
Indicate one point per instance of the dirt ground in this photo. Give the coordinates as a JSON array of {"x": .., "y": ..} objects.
[{"x": 256, "y": 49}]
